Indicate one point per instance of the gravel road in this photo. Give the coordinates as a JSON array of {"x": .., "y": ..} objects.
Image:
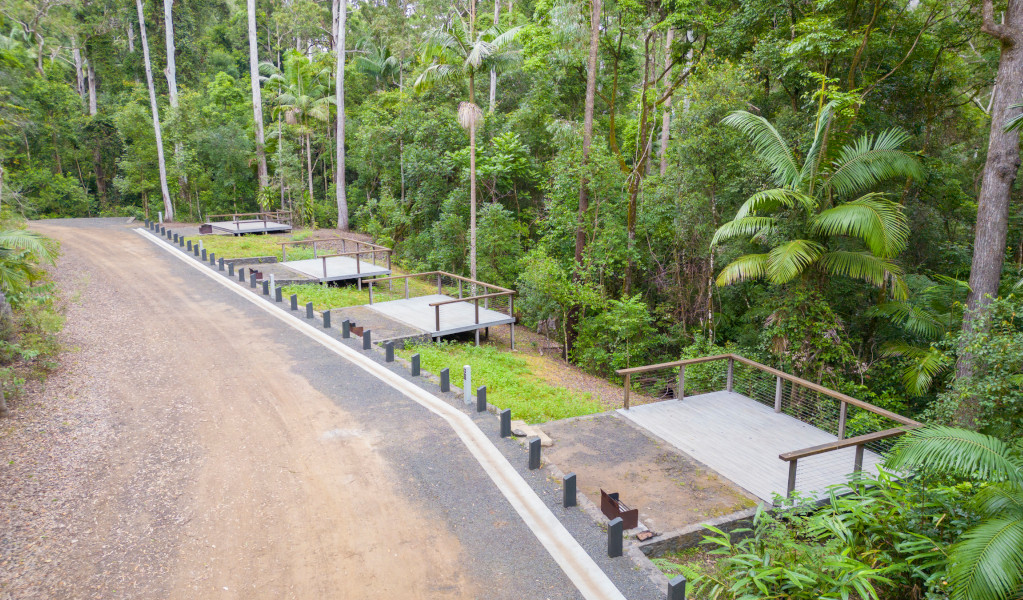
[{"x": 191, "y": 447}]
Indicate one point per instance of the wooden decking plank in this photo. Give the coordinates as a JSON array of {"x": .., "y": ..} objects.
[{"x": 454, "y": 318}]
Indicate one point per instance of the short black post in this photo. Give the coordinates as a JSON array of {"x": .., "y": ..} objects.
[
  {"x": 195, "y": 250},
  {"x": 481, "y": 398},
  {"x": 147, "y": 222},
  {"x": 230, "y": 269},
  {"x": 181, "y": 241},
  {"x": 534, "y": 453},
  {"x": 506, "y": 423},
  {"x": 278, "y": 295},
  {"x": 614, "y": 537},
  {"x": 175, "y": 238},
  {"x": 415, "y": 365},
  {"x": 163, "y": 231},
  {"x": 367, "y": 339},
  {"x": 189, "y": 245},
  {"x": 213, "y": 259},
  {"x": 266, "y": 288},
  {"x": 346, "y": 329},
  {"x": 677, "y": 588},
  {"x": 294, "y": 302},
  {"x": 568, "y": 486},
  {"x": 241, "y": 274},
  {"x": 308, "y": 310},
  {"x": 388, "y": 351},
  {"x": 204, "y": 257},
  {"x": 326, "y": 319},
  {"x": 220, "y": 263},
  {"x": 445, "y": 380},
  {"x": 252, "y": 278}
]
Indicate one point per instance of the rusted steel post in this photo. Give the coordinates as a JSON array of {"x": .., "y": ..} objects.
[
  {"x": 842, "y": 412},
  {"x": 793, "y": 465},
  {"x": 777, "y": 394},
  {"x": 682, "y": 382},
  {"x": 858, "y": 459},
  {"x": 628, "y": 378},
  {"x": 731, "y": 370}
]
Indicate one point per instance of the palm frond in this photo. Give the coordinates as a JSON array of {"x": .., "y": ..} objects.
[
  {"x": 433, "y": 74},
  {"x": 773, "y": 199},
  {"x": 1015, "y": 122},
  {"x": 812, "y": 161},
  {"x": 914, "y": 319},
  {"x": 879, "y": 223},
  {"x": 787, "y": 261},
  {"x": 743, "y": 227},
  {"x": 745, "y": 268},
  {"x": 479, "y": 52},
  {"x": 999, "y": 499},
  {"x": 987, "y": 561},
  {"x": 924, "y": 364},
  {"x": 769, "y": 145},
  {"x": 952, "y": 451},
  {"x": 870, "y": 160},
  {"x": 878, "y": 272},
  {"x": 23, "y": 239},
  {"x": 501, "y": 39}
]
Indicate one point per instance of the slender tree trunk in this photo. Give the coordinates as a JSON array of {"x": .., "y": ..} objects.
[
  {"x": 1000, "y": 172},
  {"x": 172, "y": 88},
  {"x": 168, "y": 206},
  {"x": 596, "y": 6},
  {"x": 638, "y": 169},
  {"x": 76, "y": 54},
  {"x": 309, "y": 165},
  {"x": 493, "y": 72},
  {"x": 666, "y": 119},
  {"x": 472, "y": 201},
  {"x": 92, "y": 88},
  {"x": 131, "y": 37},
  {"x": 257, "y": 99},
  {"x": 339, "y": 99}
]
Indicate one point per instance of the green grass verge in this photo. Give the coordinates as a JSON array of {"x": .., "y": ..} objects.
[
  {"x": 249, "y": 246},
  {"x": 510, "y": 381}
]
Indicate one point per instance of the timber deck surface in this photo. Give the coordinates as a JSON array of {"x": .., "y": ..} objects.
[
  {"x": 454, "y": 318},
  {"x": 249, "y": 226},
  {"x": 741, "y": 439},
  {"x": 338, "y": 268}
]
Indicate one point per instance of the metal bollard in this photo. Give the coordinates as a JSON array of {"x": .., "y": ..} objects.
[
  {"x": 677, "y": 588},
  {"x": 252, "y": 279},
  {"x": 568, "y": 487},
  {"x": 266, "y": 288},
  {"x": 467, "y": 383},
  {"x": 614, "y": 537},
  {"x": 230, "y": 269},
  {"x": 204, "y": 256},
  {"x": 189, "y": 245},
  {"x": 481, "y": 398},
  {"x": 241, "y": 274},
  {"x": 195, "y": 250},
  {"x": 220, "y": 263},
  {"x": 415, "y": 365},
  {"x": 388, "y": 351},
  {"x": 163, "y": 231},
  {"x": 308, "y": 310},
  {"x": 506, "y": 423},
  {"x": 445, "y": 380},
  {"x": 346, "y": 329},
  {"x": 534, "y": 453},
  {"x": 175, "y": 238},
  {"x": 213, "y": 259},
  {"x": 181, "y": 241},
  {"x": 367, "y": 339},
  {"x": 326, "y": 319},
  {"x": 278, "y": 295},
  {"x": 294, "y": 302}
]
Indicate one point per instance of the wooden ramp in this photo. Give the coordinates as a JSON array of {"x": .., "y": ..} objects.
[
  {"x": 741, "y": 439},
  {"x": 456, "y": 317},
  {"x": 336, "y": 268}
]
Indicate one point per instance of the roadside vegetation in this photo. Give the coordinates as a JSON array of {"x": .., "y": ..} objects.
[
  {"x": 30, "y": 317},
  {"x": 510, "y": 380}
]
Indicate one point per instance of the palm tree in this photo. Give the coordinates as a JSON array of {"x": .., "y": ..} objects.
[
  {"x": 460, "y": 51},
  {"x": 802, "y": 220},
  {"x": 299, "y": 94},
  {"x": 377, "y": 62},
  {"x": 986, "y": 563}
]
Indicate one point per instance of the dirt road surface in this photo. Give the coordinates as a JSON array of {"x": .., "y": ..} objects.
[{"x": 195, "y": 450}]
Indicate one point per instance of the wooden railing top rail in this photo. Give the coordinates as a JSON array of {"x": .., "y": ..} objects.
[
  {"x": 846, "y": 443},
  {"x": 783, "y": 375},
  {"x": 276, "y": 213},
  {"x": 471, "y": 298},
  {"x": 445, "y": 274},
  {"x": 314, "y": 241}
]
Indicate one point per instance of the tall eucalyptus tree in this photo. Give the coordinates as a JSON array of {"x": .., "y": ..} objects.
[
  {"x": 168, "y": 205},
  {"x": 257, "y": 98}
]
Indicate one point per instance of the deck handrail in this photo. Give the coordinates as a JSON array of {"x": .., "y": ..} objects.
[
  {"x": 858, "y": 440},
  {"x": 470, "y": 298},
  {"x": 234, "y": 216},
  {"x": 777, "y": 373},
  {"x": 445, "y": 274},
  {"x": 436, "y": 305},
  {"x": 358, "y": 243}
]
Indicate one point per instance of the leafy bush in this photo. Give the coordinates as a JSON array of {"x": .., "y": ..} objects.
[{"x": 619, "y": 337}]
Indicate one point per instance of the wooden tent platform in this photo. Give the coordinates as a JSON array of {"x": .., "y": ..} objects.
[
  {"x": 248, "y": 223},
  {"x": 741, "y": 439},
  {"x": 335, "y": 268},
  {"x": 456, "y": 317}
]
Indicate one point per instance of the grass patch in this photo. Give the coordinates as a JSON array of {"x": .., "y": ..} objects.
[{"x": 510, "y": 381}]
